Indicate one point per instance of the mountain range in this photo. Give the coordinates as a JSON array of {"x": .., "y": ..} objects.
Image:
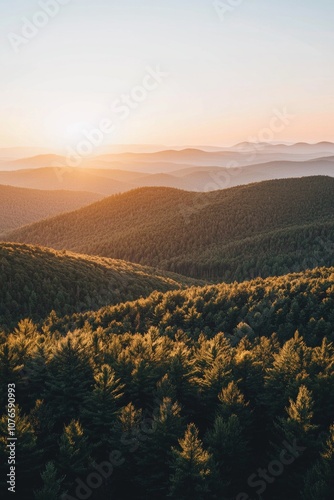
[{"x": 189, "y": 169}]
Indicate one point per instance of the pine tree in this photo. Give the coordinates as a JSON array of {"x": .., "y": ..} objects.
[
  {"x": 285, "y": 376},
  {"x": 43, "y": 422},
  {"x": 192, "y": 468},
  {"x": 154, "y": 454},
  {"x": 69, "y": 379},
  {"x": 127, "y": 438},
  {"x": 179, "y": 373},
  {"x": 51, "y": 489},
  {"x": 232, "y": 402},
  {"x": 26, "y": 328},
  {"x": 143, "y": 382},
  {"x": 101, "y": 407},
  {"x": 296, "y": 429},
  {"x": 229, "y": 449},
  {"x": 36, "y": 368},
  {"x": 319, "y": 481},
  {"x": 212, "y": 370},
  {"x": 298, "y": 422},
  {"x": 74, "y": 458},
  {"x": 165, "y": 389}
]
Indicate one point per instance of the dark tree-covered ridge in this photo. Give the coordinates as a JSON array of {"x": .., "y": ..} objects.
[
  {"x": 261, "y": 307},
  {"x": 34, "y": 281},
  {"x": 262, "y": 229},
  {"x": 208, "y": 393}
]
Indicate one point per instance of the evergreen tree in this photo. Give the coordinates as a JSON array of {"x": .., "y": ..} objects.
[
  {"x": 319, "y": 481},
  {"x": 51, "y": 489},
  {"x": 165, "y": 389},
  {"x": 297, "y": 429},
  {"x": 232, "y": 402},
  {"x": 298, "y": 422},
  {"x": 289, "y": 370},
  {"x": 192, "y": 468},
  {"x": 229, "y": 449},
  {"x": 128, "y": 436},
  {"x": 74, "y": 458},
  {"x": 36, "y": 368},
  {"x": 155, "y": 452},
  {"x": 100, "y": 408},
  {"x": 69, "y": 379},
  {"x": 43, "y": 421},
  {"x": 179, "y": 372}
]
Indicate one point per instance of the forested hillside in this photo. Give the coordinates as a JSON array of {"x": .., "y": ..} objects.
[
  {"x": 206, "y": 393},
  {"x": 34, "y": 281},
  {"x": 19, "y": 206},
  {"x": 261, "y": 307},
  {"x": 262, "y": 229}
]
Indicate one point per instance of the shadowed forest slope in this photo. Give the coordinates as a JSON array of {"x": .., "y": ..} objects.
[
  {"x": 205, "y": 386},
  {"x": 260, "y": 307},
  {"x": 34, "y": 281},
  {"x": 263, "y": 229}
]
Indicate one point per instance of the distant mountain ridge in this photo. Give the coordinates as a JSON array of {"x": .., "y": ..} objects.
[
  {"x": 260, "y": 229},
  {"x": 244, "y": 153},
  {"x": 21, "y": 206},
  {"x": 117, "y": 177}
]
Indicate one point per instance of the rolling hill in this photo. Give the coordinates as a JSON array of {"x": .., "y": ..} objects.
[
  {"x": 34, "y": 281},
  {"x": 20, "y": 206},
  {"x": 260, "y": 229},
  {"x": 236, "y": 376},
  {"x": 276, "y": 305}
]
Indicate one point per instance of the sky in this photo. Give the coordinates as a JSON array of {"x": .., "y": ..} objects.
[{"x": 176, "y": 72}]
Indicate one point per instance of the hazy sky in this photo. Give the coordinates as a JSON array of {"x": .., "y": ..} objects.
[{"x": 227, "y": 72}]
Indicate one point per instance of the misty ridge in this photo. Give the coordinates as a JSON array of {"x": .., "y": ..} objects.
[{"x": 192, "y": 169}]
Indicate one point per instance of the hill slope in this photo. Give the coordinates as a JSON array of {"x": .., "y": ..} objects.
[
  {"x": 19, "y": 206},
  {"x": 218, "y": 373},
  {"x": 297, "y": 301},
  {"x": 238, "y": 233},
  {"x": 190, "y": 344},
  {"x": 34, "y": 281}
]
